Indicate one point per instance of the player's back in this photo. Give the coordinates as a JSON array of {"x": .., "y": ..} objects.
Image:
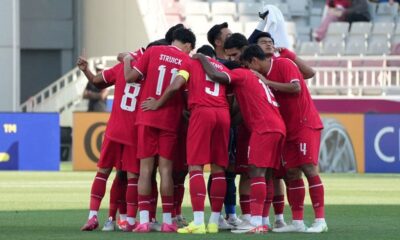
[
  {"x": 159, "y": 66},
  {"x": 203, "y": 92},
  {"x": 256, "y": 102},
  {"x": 296, "y": 109},
  {"x": 120, "y": 126}
]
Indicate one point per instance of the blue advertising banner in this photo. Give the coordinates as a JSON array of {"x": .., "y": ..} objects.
[
  {"x": 382, "y": 143},
  {"x": 29, "y": 141}
]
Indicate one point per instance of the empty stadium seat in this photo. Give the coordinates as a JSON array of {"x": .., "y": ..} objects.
[
  {"x": 386, "y": 12},
  {"x": 299, "y": 7},
  {"x": 303, "y": 33},
  {"x": 249, "y": 8},
  {"x": 248, "y": 18},
  {"x": 273, "y": 2},
  {"x": 316, "y": 17},
  {"x": 333, "y": 48},
  {"x": 384, "y": 28},
  {"x": 395, "y": 40},
  {"x": 338, "y": 28},
  {"x": 199, "y": 23},
  {"x": 217, "y": 19},
  {"x": 360, "y": 28},
  {"x": 197, "y": 8},
  {"x": 309, "y": 48},
  {"x": 223, "y": 8},
  {"x": 356, "y": 48},
  {"x": 378, "y": 48}
]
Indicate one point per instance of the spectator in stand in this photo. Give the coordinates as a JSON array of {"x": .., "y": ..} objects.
[
  {"x": 332, "y": 13},
  {"x": 357, "y": 12},
  {"x": 97, "y": 97}
]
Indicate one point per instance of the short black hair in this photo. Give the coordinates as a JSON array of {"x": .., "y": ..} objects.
[
  {"x": 207, "y": 50},
  {"x": 232, "y": 65},
  {"x": 215, "y": 32},
  {"x": 236, "y": 40},
  {"x": 252, "y": 51},
  {"x": 159, "y": 42},
  {"x": 184, "y": 35},
  {"x": 261, "y": 35},
  {"x": 170, "y": 32}
]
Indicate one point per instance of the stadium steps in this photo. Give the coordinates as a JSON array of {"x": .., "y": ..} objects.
[{"x": 65, "y": 94}]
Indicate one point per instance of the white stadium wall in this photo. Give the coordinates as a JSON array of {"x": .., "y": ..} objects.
[{"x": 109, "y": 27}]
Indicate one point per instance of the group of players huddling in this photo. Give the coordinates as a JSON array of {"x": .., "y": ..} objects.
[{"x": 179, "y": 112}]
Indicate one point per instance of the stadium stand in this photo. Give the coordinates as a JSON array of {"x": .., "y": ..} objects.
[{"x": 362, "y": 59}]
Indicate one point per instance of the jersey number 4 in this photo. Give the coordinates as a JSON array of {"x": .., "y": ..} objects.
[{"x": 129, "y": 99}]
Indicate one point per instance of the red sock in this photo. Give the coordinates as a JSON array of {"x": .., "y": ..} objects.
[
  {"x": 117, "y": 197},
  {"x": 122, "y": 197},
  {"x": 268, "y": 198},
  {"x": 245, "y": 203},
  {"x": 132, "y": 197},
  {"x": 218, "y": 191},
  {"x": 144, "y": 202},
  {"x": 167, "y": 204},
  {"x": 112, "y": 211},
  {"x": 258, "y": 189},
  {"x": 153, "y": 201},
  {"x": 296, "y": 195},
  {"x": 197, "y": 188},
  {"x": 316, "y": 189},
  {"x": 179, "y": 192},
  {"x": 98, "y": 190},
  {"x": 278, "y": 203}
]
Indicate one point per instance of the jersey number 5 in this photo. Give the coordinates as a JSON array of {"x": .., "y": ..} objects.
[
  {"x": 128, "y": 102},
  {"x": 214, "y": 92}
]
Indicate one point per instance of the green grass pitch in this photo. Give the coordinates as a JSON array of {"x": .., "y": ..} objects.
[{"x": 53, "y": 205}]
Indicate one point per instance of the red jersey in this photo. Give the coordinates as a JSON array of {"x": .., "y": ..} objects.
[
  {"x": 256, "y": 102},
  {"x": 297, "y": 110},
  {"x": 120, "y": 126},
  {"x": 159, "y": 66},
  {"x": 201, "y": 89}
]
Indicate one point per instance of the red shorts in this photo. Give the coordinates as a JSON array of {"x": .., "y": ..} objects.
[
  {"x": 130, "y": 162},
  {"x": 118, "y": 155},
  {"x": 281, "y": 171},
  {"x": 265, "y": 150},
  {"x": 180, "y": 164},
  {"x": 304, "y": 149},
  {"x": 242, "y": 149},
  {"x": 111, "y": 154},
  {"x": 208, "y": 136},
  {"x": 154, "y": 141}
]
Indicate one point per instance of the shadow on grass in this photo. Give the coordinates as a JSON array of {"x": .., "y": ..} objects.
[{"x": 345, "y": 222}]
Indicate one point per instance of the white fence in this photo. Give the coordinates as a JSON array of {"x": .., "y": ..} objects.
[{"x": 355, "y": 76}]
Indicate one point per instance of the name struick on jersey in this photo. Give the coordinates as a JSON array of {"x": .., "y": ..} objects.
[{"x": 170, "y": 59}]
